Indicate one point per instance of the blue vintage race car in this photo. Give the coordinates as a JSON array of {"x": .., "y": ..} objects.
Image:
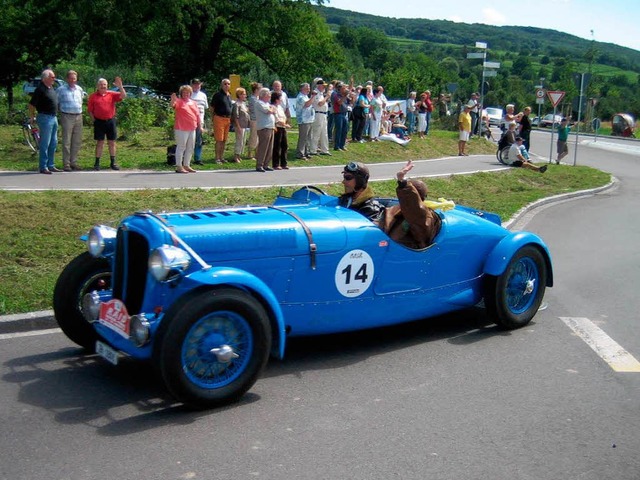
[{"x": 209, "y": 295}]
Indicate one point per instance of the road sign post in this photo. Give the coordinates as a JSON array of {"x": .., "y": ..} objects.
[{"x": 555, "y": 97}]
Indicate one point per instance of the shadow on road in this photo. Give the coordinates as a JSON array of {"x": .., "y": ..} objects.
[{"x": 83, "y": 389}]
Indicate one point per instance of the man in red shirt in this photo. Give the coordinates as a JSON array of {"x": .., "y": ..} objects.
[{"x": 102, "y": 109}]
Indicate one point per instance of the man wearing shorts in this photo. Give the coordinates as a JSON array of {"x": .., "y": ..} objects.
[
  {"x": 221, "y": 109},
  {"x": 102, "y": 109},
  {"x": 464, "y": 127},
  {"x": 563, "y": 136}
]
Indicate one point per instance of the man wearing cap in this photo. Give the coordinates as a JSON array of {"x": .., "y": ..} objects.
[
  {"x": 305, "y": 116},
  {"x": 221, "y": 108},
  {"x": 517, "y": 158},
  {"x": 358, "y": 195},
  {"x": 319, "y": 136},
  {"x": 474, "y": 112},
  {"x": 464, "y": 128},
  {"x": 202, "y": 102}
]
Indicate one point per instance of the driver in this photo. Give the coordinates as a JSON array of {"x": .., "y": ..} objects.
[
  {"x": 358, "y": 195},
  {"x": 411, "y": 223}
]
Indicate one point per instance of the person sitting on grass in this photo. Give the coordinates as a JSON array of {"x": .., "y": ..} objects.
[
  {"x": 519, "y": 160},
  {"x": 398, "y": 128}
]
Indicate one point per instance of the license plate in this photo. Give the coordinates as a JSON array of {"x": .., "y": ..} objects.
[{"x": 106, "y": 352}]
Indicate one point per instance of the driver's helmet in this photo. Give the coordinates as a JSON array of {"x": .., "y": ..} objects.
[{"x": 361, "y": 173}]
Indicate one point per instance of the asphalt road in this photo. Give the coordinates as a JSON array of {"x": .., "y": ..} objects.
[
  {"x": 450, "y": 398},
  {"x": 296, "y": 175}
]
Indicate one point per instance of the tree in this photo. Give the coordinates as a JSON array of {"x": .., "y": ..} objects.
[
  {"x": 35, "y": 34},
  {"x": 213, "y": 38}
]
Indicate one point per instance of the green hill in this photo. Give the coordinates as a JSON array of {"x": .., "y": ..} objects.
[{"x": 525, "y": 40}]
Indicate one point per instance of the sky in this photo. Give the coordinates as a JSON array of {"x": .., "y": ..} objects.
[{"x": 609, "y": 21}]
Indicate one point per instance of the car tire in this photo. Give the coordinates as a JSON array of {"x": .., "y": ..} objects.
[
  {"x": 227, "y": 320},
  {"x": 513, "y": 298},
  {"x": 82, "y": 275}
]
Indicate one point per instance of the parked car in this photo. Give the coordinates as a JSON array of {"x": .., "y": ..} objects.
[
  {"x": 548, "y": 121},
  {"x": 535, "y": 121},
  {"x": 135, "y": 91},
  {"x": 208, "y": 295},
  {"x": 494, "y": 114},
  {"x": 30, "y": 86}
]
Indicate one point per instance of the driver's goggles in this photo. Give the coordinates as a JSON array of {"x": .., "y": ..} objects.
[{"x": 351, "y": 167}]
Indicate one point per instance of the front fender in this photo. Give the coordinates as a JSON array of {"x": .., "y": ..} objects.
[
  {"x": 501, "y": 254},
  {"x": 239, "y": 278}
]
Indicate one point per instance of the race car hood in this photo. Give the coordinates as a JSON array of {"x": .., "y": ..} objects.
[{"x": 247, "y": 233}]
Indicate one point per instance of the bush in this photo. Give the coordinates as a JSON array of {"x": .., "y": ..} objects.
[{"x": 134, "y": 116}]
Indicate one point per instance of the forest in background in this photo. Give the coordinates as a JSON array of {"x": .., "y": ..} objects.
[{"x": 163, "y": 44}]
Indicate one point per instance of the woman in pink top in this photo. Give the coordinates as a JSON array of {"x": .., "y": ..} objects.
[{"x": 187, "y": 121}]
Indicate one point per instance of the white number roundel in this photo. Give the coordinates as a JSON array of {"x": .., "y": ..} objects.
[{"x": 354, "y": 273}]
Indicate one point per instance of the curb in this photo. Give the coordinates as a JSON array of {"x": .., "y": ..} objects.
[
  {"x": 45, "y": 319},
  {"x": 26, "y": 322}
]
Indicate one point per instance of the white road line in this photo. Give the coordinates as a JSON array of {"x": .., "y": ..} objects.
[
  {"x": 5, "y": 336},
  {"x": 607, "y": 348}
]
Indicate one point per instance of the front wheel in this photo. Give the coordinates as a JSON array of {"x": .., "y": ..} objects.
[
  {"x": 513, "y": 298},
  {"x": 82, "y": 275},
  {"x": 213, "y": 348}
]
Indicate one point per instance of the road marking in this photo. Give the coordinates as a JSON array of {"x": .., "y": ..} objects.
[
  {"x": 5, "y": 336},
  {"x": 606, "y": 347}
]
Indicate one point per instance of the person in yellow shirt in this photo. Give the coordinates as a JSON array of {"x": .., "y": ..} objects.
[{"x": 464, "y": 127}]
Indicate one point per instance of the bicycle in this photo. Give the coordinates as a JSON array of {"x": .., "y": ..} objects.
[{"x": 31, "y": 135}]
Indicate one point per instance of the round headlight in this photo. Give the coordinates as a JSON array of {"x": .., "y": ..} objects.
[
  {"x": 139, "y": 332},
  {"x": 101, "y": 240},
  {"x": 167, "y": 262},
  {"x": 91, "y": 306}
]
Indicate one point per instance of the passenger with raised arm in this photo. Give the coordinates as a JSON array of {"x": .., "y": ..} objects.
[{"x": 410, "y": 222}]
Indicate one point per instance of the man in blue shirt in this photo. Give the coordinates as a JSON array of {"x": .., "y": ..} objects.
[{"x": 70, "y": 106}]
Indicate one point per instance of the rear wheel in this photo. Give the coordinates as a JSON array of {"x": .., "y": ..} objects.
[
  {"x": 513, "y": 298},
  {"x": 503, "y": 155},
  {"x": 30, "y": 138},
  {"x": 213, "y": 348},
  {"x": 82, "y": 275}
]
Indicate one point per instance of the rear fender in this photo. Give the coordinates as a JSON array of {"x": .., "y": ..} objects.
[
  {"x": 234, "y": 277},
  {"x": 501, "y": 254}
]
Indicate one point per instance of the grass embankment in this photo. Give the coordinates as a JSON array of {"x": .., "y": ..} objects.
[{"x": 39, "y": 231}]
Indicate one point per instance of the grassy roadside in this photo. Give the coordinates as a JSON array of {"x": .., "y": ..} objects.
[{"x": 39, "y": 231}]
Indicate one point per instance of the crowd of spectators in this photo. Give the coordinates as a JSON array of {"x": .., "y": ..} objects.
[{"x": 325, "y": 113}]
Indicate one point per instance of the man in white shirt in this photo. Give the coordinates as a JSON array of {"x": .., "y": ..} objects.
[
  {"x": 305, "y": 116},
  {"x": 517, "y": 159},
  {"x": 70, "y": 105},
  {"x": 200, "y": 98},
  {"x": 319, "y": 136}
]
